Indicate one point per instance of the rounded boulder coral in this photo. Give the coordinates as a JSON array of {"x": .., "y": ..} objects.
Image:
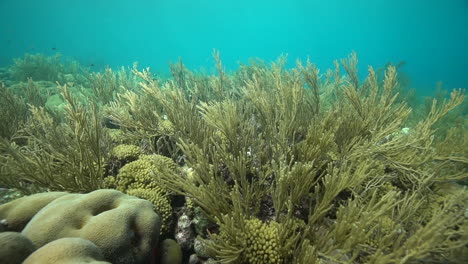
[
  {"x": 70, "y": 250},
  {"x": 123, "y": 227}
]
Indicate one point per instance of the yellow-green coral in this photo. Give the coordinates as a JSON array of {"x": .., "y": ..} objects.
[
  {"x": 386, "y": 188},
  {"x": 383, "y": 225},
  {"x": 189, "y": 173},
  {"x": 262, "y": 242},
  {"x": 126, "y": 152},
  {"x": 138, "y": 174},
  {"x": 116, "y": 135},
  {"x": 157, "y": 196},
  {"x": 163, "y": 161},
  {"x": 218, "y": 135},
  {"x": 136, "y": 178},
  {"x": 436, "y": 199},
  {"x": 109, "y": 182},
  {"x": 189, "y": 203},
  {"x": 248, "y": 241},
  {"x": 166, "y": 127}
]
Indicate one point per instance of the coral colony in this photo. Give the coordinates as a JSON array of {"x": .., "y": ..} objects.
[{"x": 262, "y": 165}]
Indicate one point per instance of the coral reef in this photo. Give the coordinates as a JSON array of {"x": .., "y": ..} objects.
[
  {"x": 37, "y": 67},
  {"x": 266, "y": 164},
  {"x": 57, "y": 155},
  {"x": 13, "y": 112}
]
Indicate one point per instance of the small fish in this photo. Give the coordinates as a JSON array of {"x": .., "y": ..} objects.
[
  {"x": 92, "y": 64},
  {"x": 54, "y": 48}
]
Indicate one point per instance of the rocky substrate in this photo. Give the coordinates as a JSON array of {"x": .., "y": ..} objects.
[{"x": 7, "y": 195}]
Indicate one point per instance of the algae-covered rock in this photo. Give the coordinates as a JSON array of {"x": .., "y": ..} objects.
[
  {"x": 8, "y": 195},
  {"x": 19, "y": 212},
  {"x": 70, "y": 250},
  {"x": 15, "y": 247},
  {"x": 184, "y": 232},
  {"x": 55, "y": 103},
  {"x": 200, "y": 248},
  {"x": 66, "y": 78},
  {"x": 171, "y": 252},
  {"x": 201, "y": 223},
  {"x": 194, "y": 259},
  {"x": 123, "y": 227}
]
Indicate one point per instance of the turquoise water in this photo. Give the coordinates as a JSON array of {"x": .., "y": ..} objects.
[{"x": 430, "y": 36}]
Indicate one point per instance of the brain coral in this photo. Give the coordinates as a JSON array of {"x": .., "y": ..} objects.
[
  {"x": 14, "y": 247},
  {"x": 70, "y": 250},
  {"x": 19, "y": 212},
  {"x": 123, "y": 227}
]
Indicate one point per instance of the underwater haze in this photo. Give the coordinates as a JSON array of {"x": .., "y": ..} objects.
[
  {"x": 428, "y": 36},
  {"x": 234, "y": 132}
]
